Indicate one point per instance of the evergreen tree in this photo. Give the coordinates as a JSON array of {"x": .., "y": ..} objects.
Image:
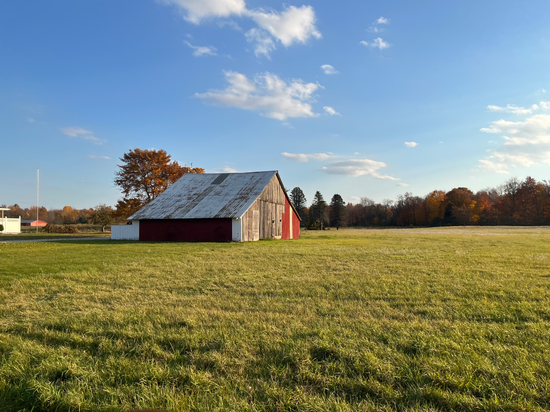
[
  {"x": 318, "y": 212},
  {"x": 338, "y": 212},
  {"x": 299, "y": 200}
]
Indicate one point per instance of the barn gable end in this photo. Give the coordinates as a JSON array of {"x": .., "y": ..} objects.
[{"x": 263, "y": 220}]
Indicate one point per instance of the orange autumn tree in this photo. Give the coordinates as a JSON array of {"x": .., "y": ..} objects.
[{"x": 145, "y": 174}]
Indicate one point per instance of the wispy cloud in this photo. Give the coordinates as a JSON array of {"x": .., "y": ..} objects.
[
  {"x": 411, "y": 144},
  {"x": 402, "y": 184},
  {"x": 266, "y": 94},
  {"x": 302, "y": 157},
  {"x": 375, "y": 27},
  {"x": 263, "y": 42},
  {"x": 491, "y": 166},
  {"x": 202, "y": 50},
  {"x": 328, "y": 69},
  {"x": 357, "y": 167},
  {"x": 98, "y": 157},
  {"x": 377, "y": 43},
  {"x": 512, "y": 108},
  {"x": 30, "y": 120},
  {"x": 81, "y": 134},
  {"x": 226, "y": 169},
  {"x": 231, "y": 24},
  {"x": 345, "y": 165},
  {"x": 330, "y": 111}
]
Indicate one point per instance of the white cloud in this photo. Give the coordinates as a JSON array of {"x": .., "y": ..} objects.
[
  {"x": 525, "y": 143},
  {"x": 264, "y": 44},
  {"x": 376, "y": 43},
  {"x": 30, "y": 120},
  {"x": 301, "y": 157},
  {"x": 374, "y": 27},
  {"x": 196, "y": 10},
  {"x": 411, "y": 144},
  {"x": 402, "y": 184},
  {"x": 81, "y": 133},
  {"x": 328, "y": 69},
  {"x": 357, "y": 167},
  {"x": 202, "y": 50},
  {"x": 99, "y": 157},
  {"x": 512, "y": 108},
  {"x": 347, "y": 166},
  {"x": 329, "y": 110},
  {"x": 226, "y": 169},
  {"x": 294, "y": 24},
  {"x": 545, "y": 105},
  {"x": 266, "y": 93},
  {"x": 493, "y": 166}
]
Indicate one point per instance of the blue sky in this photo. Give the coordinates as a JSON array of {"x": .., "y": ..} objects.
[{"x": 360, "y": 98}]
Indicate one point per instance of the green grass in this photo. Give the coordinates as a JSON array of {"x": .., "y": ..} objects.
[
  {"x": 356, "y": 320},
  {"x": 40, "y": 235}
]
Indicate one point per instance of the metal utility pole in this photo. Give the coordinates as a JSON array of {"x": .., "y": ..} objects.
[{"x": 37, "y": 195}]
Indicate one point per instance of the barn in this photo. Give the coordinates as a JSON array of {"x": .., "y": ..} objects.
[{"x": 217, "y": 207}]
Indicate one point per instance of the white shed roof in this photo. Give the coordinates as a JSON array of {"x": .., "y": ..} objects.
[{"x": 207, "y": 196}]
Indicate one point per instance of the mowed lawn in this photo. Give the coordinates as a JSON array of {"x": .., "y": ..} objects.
[{"x": 349, "y": 320}]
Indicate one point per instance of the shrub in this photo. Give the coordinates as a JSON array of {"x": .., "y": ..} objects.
[
  {"x": 1, "y": 228},
  {"x": 49, "y": 228}
]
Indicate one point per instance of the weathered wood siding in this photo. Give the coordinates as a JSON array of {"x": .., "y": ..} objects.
[{"x": 264, "y": 219}]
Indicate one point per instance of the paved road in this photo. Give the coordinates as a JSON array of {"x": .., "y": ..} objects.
[{"x": 54, "y": 240}]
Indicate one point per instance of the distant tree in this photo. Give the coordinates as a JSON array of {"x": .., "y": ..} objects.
[
  {"x": 338, "y": 212},
  {"x": 145, "y": 174},
  {"x": 462, "y": 206},
  {"x": 15, "y": 211},
  {"x": 318, "y": 212},
  {"x": 102, "y": 215},
  {"x": 69, "y": 215},
  {"x": 299, "y": 200},
  {"x": 434, "y": 207},
  {"x": 30, "y": 214}
]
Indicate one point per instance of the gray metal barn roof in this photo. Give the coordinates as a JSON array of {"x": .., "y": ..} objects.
[{"x": 207, "y": 196}]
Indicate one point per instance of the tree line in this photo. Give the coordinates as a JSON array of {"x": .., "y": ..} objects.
[
  {"x": 515, "y": 202},
  {"x": 100, "y": 215},
  {"x": 145, "y": 174}
]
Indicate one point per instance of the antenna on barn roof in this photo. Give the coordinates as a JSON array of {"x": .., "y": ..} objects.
[{"x": 37, "y": 195}]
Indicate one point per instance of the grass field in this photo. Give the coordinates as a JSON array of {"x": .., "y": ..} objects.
[
  {"x": 349, "y": 320},
  {"x": 40, "y": 235}
]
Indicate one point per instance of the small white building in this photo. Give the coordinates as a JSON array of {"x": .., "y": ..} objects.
[{"x": 11, "y": 225}]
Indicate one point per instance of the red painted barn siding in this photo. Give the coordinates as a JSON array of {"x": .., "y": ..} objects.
[
  {"x": 295, "y": 226},
  {"x": 287, "y": 215},
  {"x": 186, "y": 230}
]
